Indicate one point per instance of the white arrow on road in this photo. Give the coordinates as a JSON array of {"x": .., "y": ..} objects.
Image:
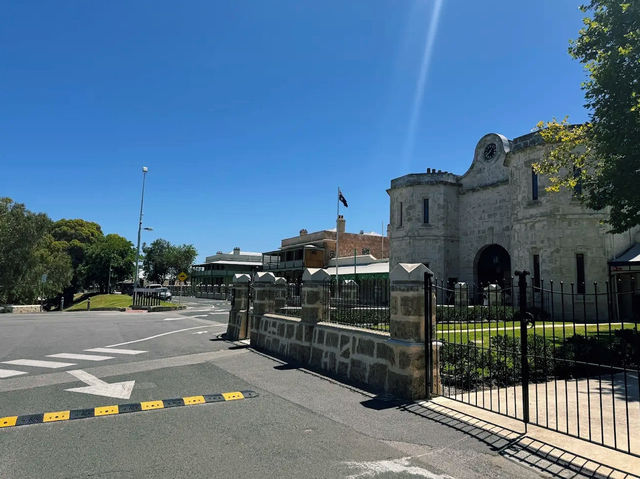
[{"x": 99, "y": 387}]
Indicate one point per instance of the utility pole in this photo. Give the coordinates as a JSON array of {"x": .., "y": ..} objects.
[{"x": 135, "y": 278}]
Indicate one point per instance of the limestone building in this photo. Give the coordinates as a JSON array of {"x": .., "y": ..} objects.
[{"x": 496, "y": 218}]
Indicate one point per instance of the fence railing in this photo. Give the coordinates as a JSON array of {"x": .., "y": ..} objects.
[
  {"x": 544, "y": 353},
  {"x": 145, "y": 298},
  {"x": 291, "y": 305},
  {"x": 362, "y": 303}
]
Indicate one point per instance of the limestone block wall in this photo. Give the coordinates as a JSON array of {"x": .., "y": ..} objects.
[
  {"x": 391, "y": 362},
  {"x": 367, "y": 358},
  {"x": 18, "y": 309},
  {"x": 284, "y": 336}
]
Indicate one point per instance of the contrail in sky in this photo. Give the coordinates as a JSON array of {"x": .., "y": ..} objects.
[{"x": 422, "y": 80}]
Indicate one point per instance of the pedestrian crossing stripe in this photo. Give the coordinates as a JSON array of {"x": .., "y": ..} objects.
[{"x": 67, "y": 415}]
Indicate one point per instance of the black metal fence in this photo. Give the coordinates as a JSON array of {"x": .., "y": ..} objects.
[
  {"x": 144, "y": 298},
  {"x": 363, "y": 303},
  {"x": 291, "y": 304},
  {"x": 546, "y": 354}
]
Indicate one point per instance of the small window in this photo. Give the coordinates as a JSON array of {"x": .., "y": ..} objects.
[
  {"x": 400, "y": 215},
  {"x": 536, "y": 270},
  {"x": 534, "y": 184},
  {"x": 577, "y": 189},
  {"x": 425, "y": 206},
  {"x": 580, "y": 276}
]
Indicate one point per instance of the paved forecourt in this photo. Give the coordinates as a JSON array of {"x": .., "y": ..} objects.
[{"x": 289, "y": 423}]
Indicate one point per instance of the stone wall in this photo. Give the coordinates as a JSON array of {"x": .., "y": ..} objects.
[
  {"x": 18, "y": 309},
  {"x": 391, "y": 362}
]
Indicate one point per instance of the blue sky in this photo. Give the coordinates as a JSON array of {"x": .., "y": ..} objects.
[{"x": 249, "y": 114}]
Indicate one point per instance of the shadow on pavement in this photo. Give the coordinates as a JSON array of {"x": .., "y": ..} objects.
[{"x": 512, "y": 444}]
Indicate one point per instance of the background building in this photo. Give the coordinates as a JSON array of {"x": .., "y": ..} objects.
[
  {"x": 220, "y": 268},
  {"x": 315, "y": 250}
]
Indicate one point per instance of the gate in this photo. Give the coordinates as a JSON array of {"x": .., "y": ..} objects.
[{"x": 557, "y": 356}]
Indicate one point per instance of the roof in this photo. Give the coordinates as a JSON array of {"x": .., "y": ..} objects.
[
  {"x": 373, "y": 268},
  {"x": 632, "y": 255},
  {"x": 246, "y": 263}
]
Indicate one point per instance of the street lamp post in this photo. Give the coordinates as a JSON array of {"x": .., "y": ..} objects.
[{"x": 135, "y": 278}]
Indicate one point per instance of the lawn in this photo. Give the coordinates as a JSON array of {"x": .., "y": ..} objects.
[
  {"x": 479, "y": 333},
  {"x": 111, "y": 301}
]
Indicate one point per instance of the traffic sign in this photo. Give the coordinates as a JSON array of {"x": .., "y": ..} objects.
[{"x": 182, "y": 276}]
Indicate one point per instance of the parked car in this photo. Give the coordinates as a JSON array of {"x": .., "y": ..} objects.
[{"x": 164, "y": 294}]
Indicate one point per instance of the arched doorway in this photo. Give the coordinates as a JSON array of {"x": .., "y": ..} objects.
[{"x": 493, "y": 266}]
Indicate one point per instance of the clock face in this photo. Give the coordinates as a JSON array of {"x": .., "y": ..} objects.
[{"x": 490, "y": 151}]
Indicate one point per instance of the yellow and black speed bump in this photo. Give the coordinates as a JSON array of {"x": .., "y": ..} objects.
[{"x": 68, "y": 415}]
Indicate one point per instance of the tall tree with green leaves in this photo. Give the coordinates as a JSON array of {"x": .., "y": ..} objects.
[
  {"x": 164, "y": 261},
  {"x": 76, "y": 236},
  {"x": 28, "y": 251},
  {"x": 109, "y": 261},
  {"x": 603, "y": 155}
]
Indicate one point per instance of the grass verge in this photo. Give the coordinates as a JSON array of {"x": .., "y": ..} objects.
[{"x": 112, "y": 301}]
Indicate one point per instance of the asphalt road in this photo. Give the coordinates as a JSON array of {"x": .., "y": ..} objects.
[{"x": 301, "y": 425}]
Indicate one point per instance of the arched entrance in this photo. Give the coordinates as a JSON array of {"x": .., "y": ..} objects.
[{"x": 493, "y": 266}]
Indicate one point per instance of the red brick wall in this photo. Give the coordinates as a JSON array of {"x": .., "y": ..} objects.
[{"x": 378, "y": 245}]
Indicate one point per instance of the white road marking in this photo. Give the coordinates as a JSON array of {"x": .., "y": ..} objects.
[
  {"x": 393, "y": 466},
  {"x": 98, "y": 387},
  {"x": 173, "y": 319},
  {"x": 199, "y": 316},
  {"x": 115, "y": 351},
  {"x": 155, "y": 336},
  {"x": 8, "y": 373},
  {"x": 80, "y": 357},
  {"x": 38, "y": 364},
  {"x": 200, "y": 332}
]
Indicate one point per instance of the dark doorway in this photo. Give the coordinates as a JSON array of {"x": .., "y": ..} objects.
[{"x": 493, "y": 266}]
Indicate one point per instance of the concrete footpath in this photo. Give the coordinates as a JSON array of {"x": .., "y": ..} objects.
[{"x": 446, "y": 436}]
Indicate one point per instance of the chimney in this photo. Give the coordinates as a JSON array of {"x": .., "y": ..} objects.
[
  {"x": 340, "y": 224},
  {"x": 236, "y": 250},
  {"x": 303, "y": 232}
]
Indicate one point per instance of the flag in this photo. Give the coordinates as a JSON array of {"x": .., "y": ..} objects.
[{"x": 342, "y": 198}]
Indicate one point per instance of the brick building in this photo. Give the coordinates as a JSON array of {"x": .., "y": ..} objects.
[{"x": 315, "y": 250}]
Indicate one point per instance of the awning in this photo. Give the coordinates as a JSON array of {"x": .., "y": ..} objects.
[{"x": 627, "y": 261}]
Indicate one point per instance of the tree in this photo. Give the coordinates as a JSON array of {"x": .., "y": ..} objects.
[
  {"x": 109, "y": 259},
  {"x": 76, "y": 236},
  {"x": 27, "y": 251},
  {"x": 156, "y": 260},
  {"x": 603, "y": 156},
  {"x": 163, "y": 260},
  {"x": 180, "y": 259}
]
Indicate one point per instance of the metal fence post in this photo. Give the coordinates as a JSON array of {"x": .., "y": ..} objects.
[
  {"x": 428, "y": 332},
  {"x": 524, "y": 360}
]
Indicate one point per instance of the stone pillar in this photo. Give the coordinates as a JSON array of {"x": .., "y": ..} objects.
[
  {"x": 263, "y": 301},
  {"x": 280, "y": 299},
  {"x": 239, "y": 313},
  {"x": 315, "y": 295},
  {"x": 461, "y": 295},
  {"x": 407, "y": 330}
]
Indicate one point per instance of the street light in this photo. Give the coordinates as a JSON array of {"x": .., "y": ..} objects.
[{"x": 135, "y": 278}]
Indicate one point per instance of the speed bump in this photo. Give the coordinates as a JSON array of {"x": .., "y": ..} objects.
[{"x": 116, "y": 409}]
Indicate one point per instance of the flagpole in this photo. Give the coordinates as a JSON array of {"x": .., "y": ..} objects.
[{"x": 337, "y": 243}]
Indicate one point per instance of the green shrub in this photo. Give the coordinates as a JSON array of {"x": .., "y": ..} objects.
[{"x": 450, "y": 314}]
